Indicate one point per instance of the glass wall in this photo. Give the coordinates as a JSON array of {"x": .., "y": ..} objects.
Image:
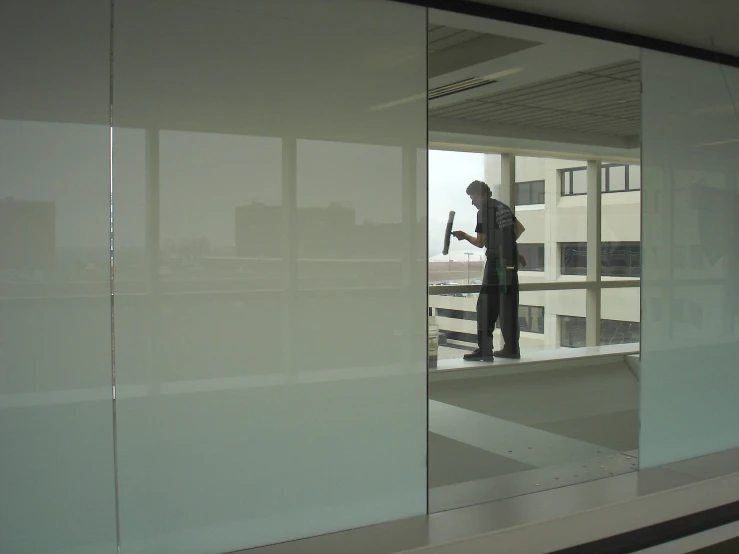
[
  {"x": 56, "y": 417},
  {"x": 269, "y": 293},
  {"x": 690, "y": 283},
  {"x": 265, "y": 338}
]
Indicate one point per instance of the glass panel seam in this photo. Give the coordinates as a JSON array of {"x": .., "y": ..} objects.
[{"x": 112, "y": 285}]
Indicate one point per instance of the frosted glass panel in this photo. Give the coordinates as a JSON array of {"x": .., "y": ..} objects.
[
  {"x": 270, "y": 269},
  {"x": 690, "y": 295},
  {"x": 56, "y": 445}
]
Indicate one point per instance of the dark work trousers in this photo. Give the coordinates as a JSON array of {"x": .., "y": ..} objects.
[
  {"x": 509, "y": 326},
  {"x": 498, "y": 300}
]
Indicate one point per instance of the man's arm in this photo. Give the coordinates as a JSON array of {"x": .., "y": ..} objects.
[{"x": 478, "y": 240}]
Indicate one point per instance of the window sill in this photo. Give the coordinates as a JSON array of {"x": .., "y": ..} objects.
[{"x": 538, "y": 360}]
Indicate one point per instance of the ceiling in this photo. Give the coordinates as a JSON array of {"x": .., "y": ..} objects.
[
  {"x": 710, "y": 25},
  {"x": 603, "y": 100},
  {"x": 552, "y": 93},
  {"x": 451, "y": 48},
  {"x": 539, "y": 90}
]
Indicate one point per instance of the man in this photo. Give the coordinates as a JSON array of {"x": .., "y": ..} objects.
[{"x": 497, "y": 231}]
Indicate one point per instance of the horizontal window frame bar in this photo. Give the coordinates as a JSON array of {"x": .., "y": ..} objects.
[{"x": 441, "y": 290}]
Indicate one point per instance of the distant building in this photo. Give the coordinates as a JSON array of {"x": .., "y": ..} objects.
[
  {"x": 259, "y": 231},
  {"x": 322, "y": 232},
  {"x": 27, "y": 234}
]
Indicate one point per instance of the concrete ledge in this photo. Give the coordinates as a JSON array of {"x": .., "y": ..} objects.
[{"x": 539, "y": 360}]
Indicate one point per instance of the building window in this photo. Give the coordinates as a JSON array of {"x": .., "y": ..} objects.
[
  {"x": 455, "y": 314},
  {"x": 460, "y": 337},
  {"x": 530, "y": 193},
  {"x": 531, "y": 319},
  {"x": 617, "y": 259},
  {"x": 614, "y": 178},
  {"x": 534, "y": 254},
  {"x": 621, "y": 259},
  {"x": 574, "y": 258},
  {"x": 572, "y": 331}
]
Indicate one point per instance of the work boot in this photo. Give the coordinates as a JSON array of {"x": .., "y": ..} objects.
[
  {"x": 478, "y": 355},
  {"x": 484, "y": 353},
  {"x": 506, "y": 353}
]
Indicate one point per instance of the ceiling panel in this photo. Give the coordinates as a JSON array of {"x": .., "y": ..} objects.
[
  {"x": 441, "y": 37},
  {"x": 602, "y": 100}
]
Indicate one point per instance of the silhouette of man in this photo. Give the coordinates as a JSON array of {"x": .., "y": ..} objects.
[{"x": 497, "y": 231}]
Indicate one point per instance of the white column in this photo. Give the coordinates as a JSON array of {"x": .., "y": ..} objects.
[
  {"x": 491, "y": 172},
  {"x": 290, "y": 249},
  {"x": 507, "y": 196},
  {"x": 508, "y": 180},
  {"x": 152, "y": 231},
  {"x": 593, "y": 297},
  {"x": 551, "y": 253},
  {"x": 151, "y": 145}
]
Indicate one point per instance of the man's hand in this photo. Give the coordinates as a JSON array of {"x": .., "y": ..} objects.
[
  {"x": 521, "y": 260},
  {"x": 459, "y": 235}
]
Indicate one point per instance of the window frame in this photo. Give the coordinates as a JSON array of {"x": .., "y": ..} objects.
[
  {"x": 609, "y": 250},
  {"x": 574, "y": 327},
  {"x": 523, "y": 248},
  {"x": 567, "y": 179},
  {"x": 527, "y": 187}
]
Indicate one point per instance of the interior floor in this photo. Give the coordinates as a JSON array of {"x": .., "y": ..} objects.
[{"x": 512, "y": 434}]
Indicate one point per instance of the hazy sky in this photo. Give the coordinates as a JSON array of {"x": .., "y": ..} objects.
[{"x": 449, "y": 175}]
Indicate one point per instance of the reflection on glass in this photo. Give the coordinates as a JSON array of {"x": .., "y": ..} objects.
[
  {"x": 55, "y": 341},
  {"x": 691, "y": 286},
  {"x": 56, "y": 447},
  {"x": 269, "y": 276}
]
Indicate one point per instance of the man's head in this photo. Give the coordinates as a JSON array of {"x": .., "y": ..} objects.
[{"x": 479, "y": 193}]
